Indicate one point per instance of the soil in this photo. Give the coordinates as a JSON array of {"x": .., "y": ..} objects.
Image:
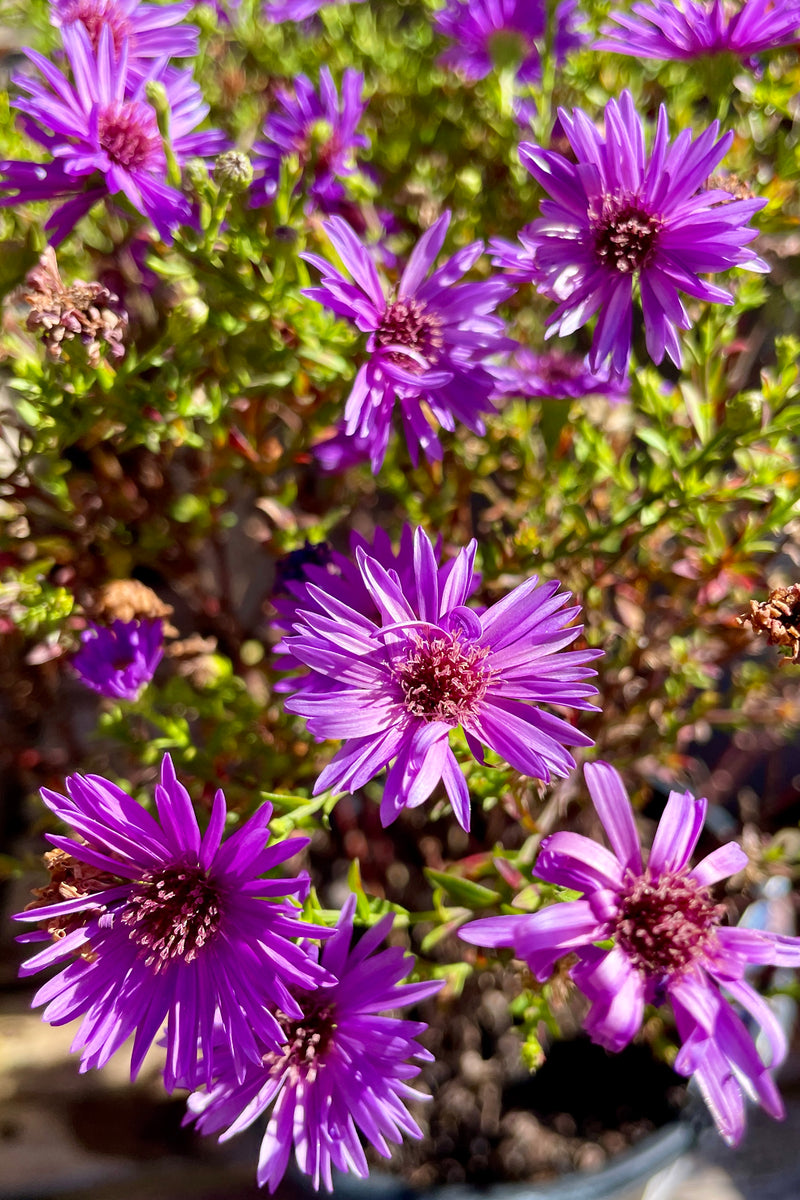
[{"x": 491, "y": 1120}]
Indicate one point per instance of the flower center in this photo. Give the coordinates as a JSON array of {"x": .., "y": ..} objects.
[
  {"x": 410, "y": 334},
  {"x": 442, "y": 679},
  {"x": 128, "y": 132},
  {"x": 625, "y": 235},
  {"x": 95, "y": 14},
  {"x": 665, "y": 926},
  {"x": 172, "y": 914},
  {"x": 307, "y": 1040}
]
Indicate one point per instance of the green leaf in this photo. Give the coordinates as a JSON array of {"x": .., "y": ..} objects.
[{"x": 463, "y": 891}]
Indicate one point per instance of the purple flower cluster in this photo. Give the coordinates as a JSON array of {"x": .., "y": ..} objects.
[
  {"x": 687, "y": 29},
  {"x": 342, "y": 1066},
  {"x": 320, "y": 128},
  {"x": 669, "y": 944},
  {"x": 396, "y": 685},
  {"x": 156, "y": 924},
  {"x": 117, "y": 660},
  {"x": 98, "y": 125},
  {"x": 428, "y": 339},
  {"x": 616, "y": 216}
]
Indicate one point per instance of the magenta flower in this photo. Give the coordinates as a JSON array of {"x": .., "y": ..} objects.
[
  {"x": 297, "y": 10},
  {"x": 151, "y": 30},
  {"x": 343, "y": 1068},
  {"x": 103, "y": 135},
  {"x": 340, "y": 578},
  {"x": 556, "y": 376},
  {"x": 669, "y": 944},
  {"x": 428, "y": 340},
  {"x": 319, "y": 127},
  {"x": 117, "y": 660},
  {"x": 489, "y": 32},
  {"x": 617, "y": 216},
  {"x": 176, "y": 929},
  {"x": 685, "y": 29},
  {"x": 397, "y": 686}
]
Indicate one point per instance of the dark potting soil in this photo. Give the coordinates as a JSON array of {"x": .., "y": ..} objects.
[{"x": 490, "y": 1120}]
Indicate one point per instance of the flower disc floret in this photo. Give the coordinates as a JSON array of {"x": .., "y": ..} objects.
[
  {"x": 442, "y": 677},
  {"x": 669, "y": 943},
  {"x": 620, "y": 223}
]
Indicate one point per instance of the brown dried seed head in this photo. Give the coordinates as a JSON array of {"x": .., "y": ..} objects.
[
  {"x": 85, "y": 310},
  {"x": 778, "y": 617},
  {"x": 128, "y": 600}
]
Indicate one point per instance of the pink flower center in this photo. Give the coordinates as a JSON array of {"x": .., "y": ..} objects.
[
  {"x": 665, "y": 925},
  {"x": 625, "y": 234},
  {"x": 172, "y": 914},
  {"x": 128, "y": 132},
  {"x": 307, "y": 1040},
  {"x": 95, "y": 14},
  {"x": 411, "y": 335},
  {"x": 442, "y": 679}
]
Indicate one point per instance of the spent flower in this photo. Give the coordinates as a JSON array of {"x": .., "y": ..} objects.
[{"x": 669, "y": 945}]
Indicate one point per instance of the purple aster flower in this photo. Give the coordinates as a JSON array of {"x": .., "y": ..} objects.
[
  {"x": 343, "y": 1068},
  {"x": 297, "y": 10},
  {"x": 685, "y": 29},
  {"x": 556, "y": 376},
  {"x": 149, "y": 29},
  {"x": 339, "y": 576},
  {"x": 428, "y": 339},
  {"x": 319, "y": 127},
  {"x": 103, "y": 135},
  {"x": 618, "y": 216},
  {"x": 488, "y": 33},
  {"x": 397, "y": 686},
  {"x": 117, "y": 660},
  {"x": 182, "y": 928},
  {"x": 669, "y": 944}
]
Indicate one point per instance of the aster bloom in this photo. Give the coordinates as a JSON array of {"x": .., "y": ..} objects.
[
  {"x": 492, "y": 32},
  {"x": 428, "y": 339},
  {"x": 556, "y": 376},
  {"x": 342, "y": 1068},
  {"x": 397, "y": 686},
  {"x": 617, "y": 216},
  {"x": 318, "y": 126},
  {"x": 103, "y": 135},
  {"x": 686, "y": 29},
  {"x": 297, "y": 10},
  {"x": 669, "y": 944},
  {"x": 151, "y": 30},
  {"x": 340, "y": 577},
  {"x": 117, "y": 660},
  {"x": 181, "y": 928}
]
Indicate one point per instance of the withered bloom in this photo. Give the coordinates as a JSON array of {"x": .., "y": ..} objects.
[
  {"x": 85, "y": 310},
  {"x": 778, "y": 617}
]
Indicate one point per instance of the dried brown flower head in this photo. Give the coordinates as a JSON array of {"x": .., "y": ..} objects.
[
  {"x": 778, "y": 617},
  {"x": 85, "y": 310},
  {"x": 128, "y": 600},
  {"x": 69, "y": 880}
]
